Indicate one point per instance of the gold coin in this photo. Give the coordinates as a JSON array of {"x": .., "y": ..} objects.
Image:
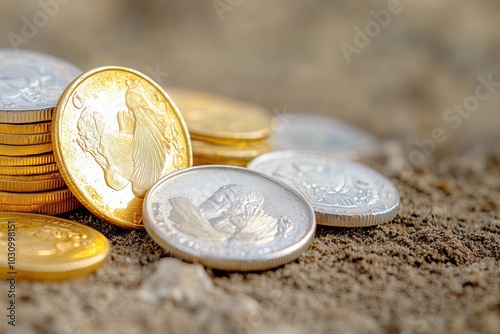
[
  {"x": 115, "y": 133},
  {"x": 221, "y": 120},
  {"x": 26, "y": 116},
  {"x": 26, "y": 129},
  {"x": 21, "y": 150},
  {"x": 31, "y": 183},
  {"x": 29, "y": 160},
  {"x": 206, "y": 153},
  {"x": 41, "y": 247},
  {"x": 48, "y": 209},
  {"x": 28, "y": 170},
  {"x": 44, "y": 197},
  {"x": 25, "y": 139}
]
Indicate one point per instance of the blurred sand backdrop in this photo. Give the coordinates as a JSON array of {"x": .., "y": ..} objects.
[{"x": 435, "y": 268}]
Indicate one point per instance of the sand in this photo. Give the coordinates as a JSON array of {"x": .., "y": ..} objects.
[{"x": 435, "y": 268}]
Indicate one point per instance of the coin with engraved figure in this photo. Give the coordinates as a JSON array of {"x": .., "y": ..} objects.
[
  {"x": 229, "y": 218},
  {"x": 115, "y": 133},
  {"x": 31, "y": 84},
  {"x": 222, "y": 120},
  {"x": 49, "y": 248},
  {"x": 342, "y": 192}
]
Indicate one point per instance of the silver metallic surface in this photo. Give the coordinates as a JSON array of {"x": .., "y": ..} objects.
[
  {"x": 31, "y": 80},
  {"x": 342, "y": 192},
  {"x": 228, "y": 218}
]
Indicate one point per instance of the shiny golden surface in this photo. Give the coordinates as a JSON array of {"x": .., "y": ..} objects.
[
  {"x": 22, "y": 150},
  {"x": 31, "y": 183},
  {"x": 55, "y": 208},
  {"x": 49, "y": 248},
  {"x": 36, "y": 198},
  {"x": 25, "y": 139},
  {"x": 28, "y": 170},
  {"x": 28, "y": 160},
  {"x": 26, "y": 116},
  {"x": 206, "y": 153},
  {"x": 28, "y": 129},
  {"x": 115, "y": 134},
  {"x": 222, "y": 120}
]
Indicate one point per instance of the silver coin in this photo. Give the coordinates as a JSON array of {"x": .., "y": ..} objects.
[
  {"x": 312, "y": 132},
  {"x": 341, "y": 192},
  {"x": 228, "y": 218},
  {"x": 31, "y": 80}
]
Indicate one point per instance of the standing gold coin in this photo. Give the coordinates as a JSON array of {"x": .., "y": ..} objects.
[
  {"x": 49, "y": 248},
  {"x": 115, "y": 133},
  {"x": 29, "y": 160},
  {"x": 28, "y": 170},
  {"x": 26, "y": 129},
  {"x": 25, "y": 139},
  {"x": 21, "y": 150},
  {"x": 31, "y": 183},
  {"x": 222, "y": 120}
]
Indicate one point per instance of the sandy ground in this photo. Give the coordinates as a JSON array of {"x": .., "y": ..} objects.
[{"x": 434, "y": 269}]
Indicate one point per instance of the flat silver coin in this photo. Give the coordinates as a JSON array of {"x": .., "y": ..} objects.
[
  {"x": 342, "y": 192},
  {"x": 228, "y": 218},
  {"x": 321, "y": 133},
  {"x": 31, "y": 81}
]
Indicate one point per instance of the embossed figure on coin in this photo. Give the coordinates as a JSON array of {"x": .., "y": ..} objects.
[
  {"x": 234, "y": 213},
  {"x": 46, "y": 240},
  {"x": 327, "y": 186},
  {"x": 135, "y": 152}
]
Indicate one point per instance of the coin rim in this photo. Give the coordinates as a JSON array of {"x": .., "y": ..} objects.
[
  {"x": 325, "y": 217},
  {"x": 221, "y": 135},
  {"x": 57, "y": 129},
  {"x": 262, "y": 262}
]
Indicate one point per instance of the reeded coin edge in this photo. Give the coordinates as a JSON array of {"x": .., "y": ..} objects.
[
  {"x": 30, "y": 160},
  {"x": 26, "y": 116},
  {"x": 263, "y": 262},
  {"x": 37, "y": 198},
  {"x": 339, "y": 220},
  {"x": 26, "y": 129},
  {"x": 47, "y": 209},
  {"x": 29, "y": 170},
  {"x": 31, "y": 186},
  {"x": 57, "y": 128}
]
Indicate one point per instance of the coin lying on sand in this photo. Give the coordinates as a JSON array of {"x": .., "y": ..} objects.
[
  {"x": 342, "y": 192},
  {"x": 115, "y": 133},
  {"x": 228, "y": 218},
  {"x": 49, "y": 248}
]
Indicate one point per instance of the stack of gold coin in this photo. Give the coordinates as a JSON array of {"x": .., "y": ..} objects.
[
  {"x": 30, "y": 86},
  {"x": 223, "y": 130}
]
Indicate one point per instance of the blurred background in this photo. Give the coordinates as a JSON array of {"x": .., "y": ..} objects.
[{"x": 395, "y": 77}]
